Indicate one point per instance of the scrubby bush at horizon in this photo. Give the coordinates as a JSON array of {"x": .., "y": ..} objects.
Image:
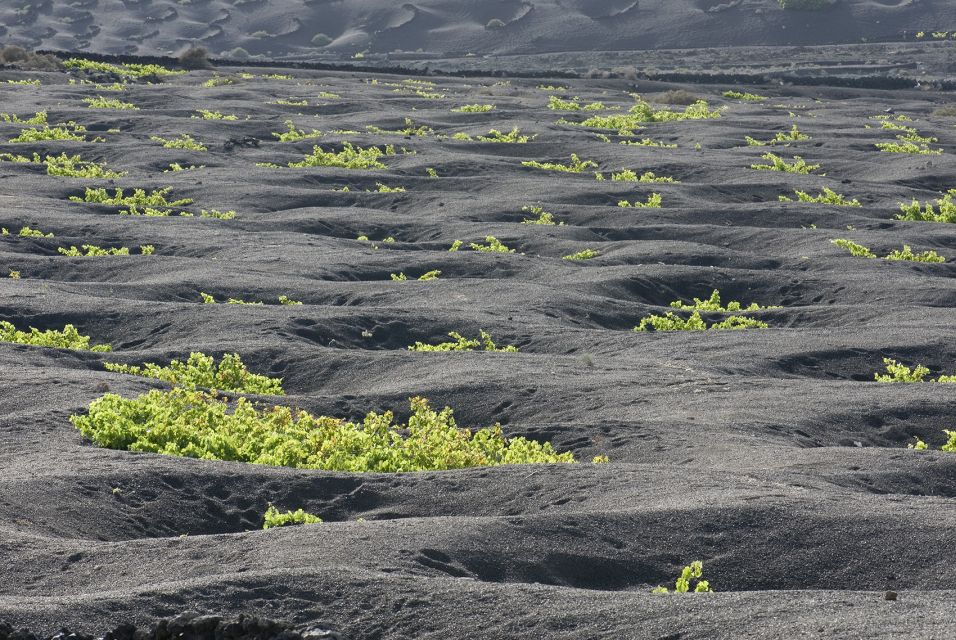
[
  {"x": 692, "y": 572},
  {"x": 275, "y": 518},
  {"x": 201, "y": 371},
  {"x": 896, "y": 372},
  {"x": 67, "y": 338},
  {"x": 461, "y": 343},
  {"x": 713, "y": 304},
  {"x": 124, "y": 69},
  {"x": 199, "y": 424},
  {"x": 673, "y": 322}
]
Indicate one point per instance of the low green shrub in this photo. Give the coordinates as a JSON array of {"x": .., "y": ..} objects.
[
  {"x": 907, "y": 254},
  {"x": 749, "y": 97},
  {"x": 292, "y": 134},
  {"x": 713, "y": 304},
  {"x": 67, "y": 338},
  {"x": 946, "y": 206},
  {"x": 628, "y": 175},
  {"x": 199, "y": 424},
  {"x": 184, "y": 141},
  {"x": 585, "y": 254},
  {"x": 92, "y": 251},
  {"x": 576, "y": 166},
  {"x": 692, "y": 575},
  {"x": 47, "y": 132},
  {"x": 474, "y": 108},
  {"x": 492, "y": 245},
  {"x": 557, "y": 104},
  {"x": 653, "y": 202},
  {"x": 544, "y": 217},
  {"x": 512, "y": 137},
  {"x": 461, "y": 343},
  {"x": 275, "y": 518},
  {"x": 138, "y": 198},
  {"x": 857, "y": 250},
  {"x": 896, "y": 372},
  {"x": 65, "y": 166},
  {"x": 201, "y": 371},
  {"x": 798, "y": 165},
  {"x": 126, "y": 69},
  {"x": 99, "y": 102},
  {"x": 27, "y": 232},
  {"x": 908, "y": 147},
  {"x": 827, "y": 196},
  {"x": 673, "y": 322},
  {"x": 206, "y": 114},
  {"x": 348, "y": 158},
  {"x": 36, "y": 119}
]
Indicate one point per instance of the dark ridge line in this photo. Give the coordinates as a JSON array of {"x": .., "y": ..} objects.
[{"x": 862, "y": 82}]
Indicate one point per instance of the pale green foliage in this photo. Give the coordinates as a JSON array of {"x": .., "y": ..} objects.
[
  {"x": 907, "y": 254},
  {"x": 275, "y": 518},
  {"x": 474, "y": 108},
  {"x": 289, "y": 302},
  {"x": 50, "y": 133},
  {"x": 919, "y": 445},
  {"x": 129, "y": 70},
  {"x": 857, "y": 250},
  {"x": 138, "y": 198},
  {"x": 461, "y": 343},
  {"x": 713, "y": 304},
  {"x": 206, "y": 114},
  {"x": 799, "y": 165},
  {"x": 92, "y": 251},
  {"x": 750, "y": 97},
  {"x": 292, "y": 134},
  {"x": 645, "y": 142},
  {"x": 628, "y": 175},
  {"x": 908, "y": 147},
  {"x": 27, "y": 232},
  {"x": 557, "y": 104},
  {"x": 201, "y": 371},
  {"x": 184, "y": 141},
  {"x": 68, "y": 338},
  {"x": 576, "y": 166},
  {"x": 37, "y": 119},
  {"x": 348, "y": 158},
  {"x": 544, "y": 217},
  {"x": 456, "y": 245},
  {"x": 827, "y": 196},
  {"x": 410, "y": 129},
  {"x": 896, "y": 372},
  {"x": 653, "y": 202},
  {"x": 200, "y": 424},
  {"x": 99, "y": 102},
  {"x": 384, "y": 188},
  {"x": 585, "y": 254},
  {"x": 673, "y": 322},
  {"x": 492, "y": 245},
  {"x": 642, "y": 113},
  {"x": 425, "y": 277},
  {"x": 945, "y": 205},
  {"x": 692, "y": 575},
  {"x": 512, "y": 137}
]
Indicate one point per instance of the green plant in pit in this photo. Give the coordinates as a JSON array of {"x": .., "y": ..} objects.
[
  {"x": 99, "y": 102},
  {"x": 14, "y": 275},
  {"x": 125, "y": 69},
  {"x": 474, "y": 108},
  {"x": 291, "y": 102},
  {"x": 67, "y": 338},
  {"x": 647, "y": 142},
  {"x": 691, "y": 576},
  {"x": 908, "y": 147},
  {"x": 673, "y": 322},
  {"x": 201, "y": 371},
  {"x": 907, "y": 254},
  {"x": 37, "y": 119},
  {"x": 206, "y": 114},
  {"x": 915, "y": 212},
  {"x": 512, "y": 137},
  {"x": 431, "y": 172},
  {"x": 292, "y": 134},
  {"x": 642, "y": 113},
  {"x": 784, "y": 138},
  {"x": 896, "y": 372},
  {"x": 586, "y": 254},
  {"x": 275, "y": 518},
  {"x": 384, "y": 188},
  {"x": 50, "y": 133},
  {"x": 750, "y": 97},
  {"x": 425, "y": 277},
  {"x": 653, "y": 202},
  {"x": 348, "y": 158},
  {"x": 175, "y": 166},
  {"x": 557, "y": 104},
  {"x": 184, "y": 141},
  {"x": 857, "y": 250},
  {"x": 493, "y": 245},
  {"x": 713, "y": 304},
  {"x": 544, "y": 217},
  {"x": 92, "y": 251},
  {"x": 461, "y": 343},
  {"x": 798, "y": 165},
  {"x": 289, "y": 302},
  {"x": 827, "y": 196},
  {"x": 201, "y": 424},
  {"x": 409, "y": 130},
  {"x": 27, "y": 232},
  {"x": 576, "y": 166},
  {"x": 138, "y": 198}
]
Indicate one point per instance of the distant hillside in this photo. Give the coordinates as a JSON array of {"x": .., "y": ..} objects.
[{"x": 322, "y": 28}]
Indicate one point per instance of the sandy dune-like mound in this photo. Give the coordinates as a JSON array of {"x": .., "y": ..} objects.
[{"x": 346, "y": 27}]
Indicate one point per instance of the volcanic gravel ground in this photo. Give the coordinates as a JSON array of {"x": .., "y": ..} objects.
[{"x": 771, "y": 455}]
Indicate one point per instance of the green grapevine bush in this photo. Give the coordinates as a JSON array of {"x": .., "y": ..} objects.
[
  {"x": 201, "y": 371},
  {"x": 68, "y": 338},
  {"x": 275, "y": 518}
]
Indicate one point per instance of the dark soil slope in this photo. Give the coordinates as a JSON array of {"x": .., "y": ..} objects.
[
  {"x": 771, "y": 455},
  {"x": 310, "y": 28}
]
